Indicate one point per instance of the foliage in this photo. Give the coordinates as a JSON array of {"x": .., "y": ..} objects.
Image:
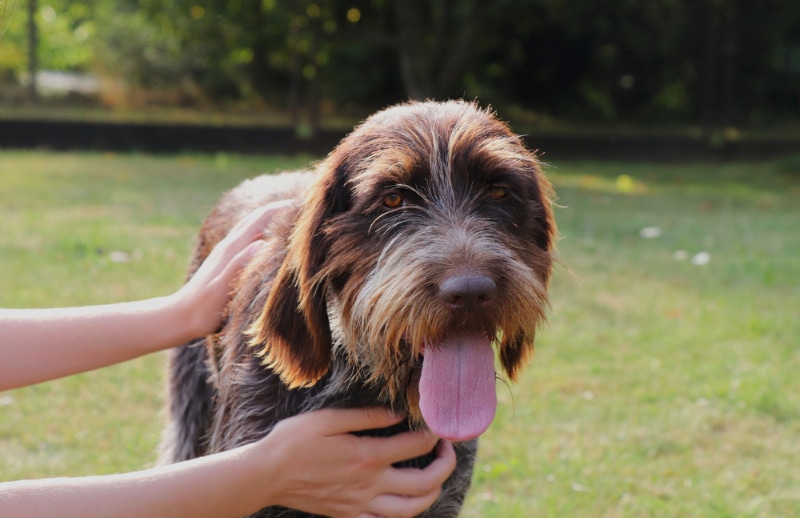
[
  {"x": 69, "y": 28},
  {"x": 716, "y": 62},
  {"x": 13, "y": 54}
]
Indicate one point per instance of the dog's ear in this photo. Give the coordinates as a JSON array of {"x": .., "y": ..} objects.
[
  {"x": 292, "y": 333},
  {"x": 292, "y": 339},
  {"x": 515, "y": 353}
]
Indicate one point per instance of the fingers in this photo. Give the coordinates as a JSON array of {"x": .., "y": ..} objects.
[
  {"x": 247, "y": 230},
  {"x": 251, "y": 226},
  {"x": 441, "y": 468},
  {"x": 341, "y": 421},
  {"x": 366, "y": 480},
  {"x": 234, "y": 266},
  {"x": 412, "y": 490},
  {"x": 404, "y": 446},
  {"x": 203, "y": 298},
  {"x": 401, "y": 506},
  {"x": 415, "y": 482}
]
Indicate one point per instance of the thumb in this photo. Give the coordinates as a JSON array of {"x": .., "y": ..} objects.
[{"x": 347, "y": 420}]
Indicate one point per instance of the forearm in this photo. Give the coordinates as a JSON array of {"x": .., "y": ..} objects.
[
  {"x": 42, "y": 344},
  {"x": 311, "y": 462},
  {"x": 217, "y": 486},
  {"x": 39, "y": 345}
]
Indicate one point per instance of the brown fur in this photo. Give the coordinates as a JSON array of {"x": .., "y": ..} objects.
[{"x": 336, "y": 309}]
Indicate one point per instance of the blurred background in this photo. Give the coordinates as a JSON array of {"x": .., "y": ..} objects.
[{"x": 714, "y": 71}]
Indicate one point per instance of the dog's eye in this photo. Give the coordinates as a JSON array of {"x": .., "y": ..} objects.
[
  {"x": 393, "y": 200},
  {"x": 497, "y": 192}
]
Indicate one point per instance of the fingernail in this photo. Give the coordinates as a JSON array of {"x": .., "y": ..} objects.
[{"x": 254, "y": 247}]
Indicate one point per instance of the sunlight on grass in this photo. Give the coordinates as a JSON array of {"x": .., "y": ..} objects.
[
  {"x": 661, "y": 386},
  {"x": 664, "y": 383}
]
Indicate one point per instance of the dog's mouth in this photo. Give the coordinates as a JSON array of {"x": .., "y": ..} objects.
[{"x": 457, "y": 386}]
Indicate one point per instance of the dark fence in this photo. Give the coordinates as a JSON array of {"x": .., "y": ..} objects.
[
  {"x": 160, "y": 138},
  {"x": 171, "y": 138}
]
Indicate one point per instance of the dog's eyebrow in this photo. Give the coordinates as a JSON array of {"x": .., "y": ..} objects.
[
  {"x": 393, "y": 166},
  {"x": 414, "y": 190}
]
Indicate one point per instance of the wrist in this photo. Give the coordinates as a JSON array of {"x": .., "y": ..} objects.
[
  {"x": 261, "y": 470},
  {"x": 179, "y": 316}
]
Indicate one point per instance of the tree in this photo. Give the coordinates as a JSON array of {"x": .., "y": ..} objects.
[
  {"x": 711, "y": 62},
  {"x": 433, "y": 41},
  {"x": 33, "y": 49}
]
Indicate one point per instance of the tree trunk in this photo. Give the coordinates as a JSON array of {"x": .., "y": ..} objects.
[
  {"x": 259, "y": 67},
  {"x": 295, "y": 71},
  {"x": 433, "y": 44},
  {"x": 711, "y": 58},
  {"x": 727, "y": 110},
  {"x": 414, "y": 66},
  {"x": 453, "y": 67},
  {"x": 33, "y": 49},
  {"x": 312, "y": 92}
]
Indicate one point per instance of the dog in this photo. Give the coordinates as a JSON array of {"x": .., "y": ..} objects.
[{"x": 421, "y": 244}]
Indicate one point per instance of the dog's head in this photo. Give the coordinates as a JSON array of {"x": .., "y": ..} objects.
[{"x": 428, "y": 235}]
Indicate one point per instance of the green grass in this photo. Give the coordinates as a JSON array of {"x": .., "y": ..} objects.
[
  {"x": 659, "y": 388},
  {"x": 61, "y": 217}
]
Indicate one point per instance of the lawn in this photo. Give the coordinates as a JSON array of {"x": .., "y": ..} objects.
[{"x": 665, "y": 382}]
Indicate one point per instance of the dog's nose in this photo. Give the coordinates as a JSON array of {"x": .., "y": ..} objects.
[{"x": 466, "y": 292}]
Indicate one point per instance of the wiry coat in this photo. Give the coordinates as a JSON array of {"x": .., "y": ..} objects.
[{"x": 430, "y": 220}]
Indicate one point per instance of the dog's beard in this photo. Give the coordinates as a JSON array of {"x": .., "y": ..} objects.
[{"x": 393, "y": 320}]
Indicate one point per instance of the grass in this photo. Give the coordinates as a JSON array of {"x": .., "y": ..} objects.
[
  {"x": 660, "y": 387},
  {"x": 62, "y": 216}
]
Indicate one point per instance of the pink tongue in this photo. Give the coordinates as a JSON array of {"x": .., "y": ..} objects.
[{"x": 457, "y": 387}]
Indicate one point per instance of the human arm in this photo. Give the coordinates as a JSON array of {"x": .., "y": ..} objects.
[
  {"x": 309, "y": 462},
  {"x": 42, "y": 344}
]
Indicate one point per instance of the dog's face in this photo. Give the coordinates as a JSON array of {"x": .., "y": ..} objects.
[{"x": 424, "y": 244}]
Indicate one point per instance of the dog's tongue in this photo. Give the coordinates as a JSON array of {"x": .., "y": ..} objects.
[{"x": 457, "y": 387}]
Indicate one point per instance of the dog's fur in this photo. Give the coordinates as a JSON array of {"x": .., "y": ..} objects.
[{"x": 341, "y": 306}]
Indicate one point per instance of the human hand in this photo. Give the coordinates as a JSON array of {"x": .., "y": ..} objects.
[
  {"x": 204, "y": 296},
  {"x": 324, "y": 469}
]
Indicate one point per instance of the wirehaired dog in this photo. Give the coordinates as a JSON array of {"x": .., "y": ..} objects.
[{"x": 421, "y": 244}]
